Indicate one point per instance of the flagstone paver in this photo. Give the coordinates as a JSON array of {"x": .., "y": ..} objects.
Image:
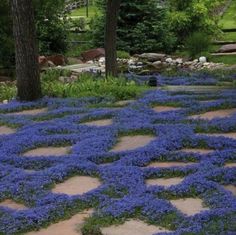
[
  {"x": 124, "y": 102},
  {"x": 133, "y": 227},
  {"x": 201, "y": 151},
  {"x": 68, "y": 227},
  {"x": 231, "y": 188},
  {"x": 13, "y": 205},
  {"x": 170, "y": 164},
  {"x": 230, "y": 165},
  {"x": 132, "y": 142},
  {"x": 103, "y": 122},
  {"x": 77, "y": 185},
  {"x": 165, "y": 109},
  {"x": 165, "y": 182},
  {"x": 47, "y": 151},
  {"x": 4, "y": 130},
  {"x": 189, "y": 206},
  {"x": 215, "y": 114},
  {"x": 30, "y": 112},
  {"x": 231, "y": 135}
]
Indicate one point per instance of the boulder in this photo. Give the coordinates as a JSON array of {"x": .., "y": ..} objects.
[
  {"x": 202, "y": 59},
  {"x": 93, "y": 54},
  {"x": 58, "y": 60},
  {"x": 228, "y": 48},
  {"x": 152, "y": 57}
]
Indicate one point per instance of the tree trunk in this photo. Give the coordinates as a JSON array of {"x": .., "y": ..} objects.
[
  {"x": 112, "y": 14},
  {"x": 27, "y": 67}
]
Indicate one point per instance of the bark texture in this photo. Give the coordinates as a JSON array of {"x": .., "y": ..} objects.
[
  {"x": 112, "y": 14},
  {"x": 27, "y": 67}
]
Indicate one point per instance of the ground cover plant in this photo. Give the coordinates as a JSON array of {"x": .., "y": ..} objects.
[{"x": 123, "y": 192}]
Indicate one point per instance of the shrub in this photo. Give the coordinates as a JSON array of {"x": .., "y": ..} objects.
[
  {"x": 123, "y": 55},
  {"x": 197, "y": 43},
  {"x": 143, "y": 26}
]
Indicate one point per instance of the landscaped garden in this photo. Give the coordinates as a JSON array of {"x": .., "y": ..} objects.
[{"x": 131, "y": 133}]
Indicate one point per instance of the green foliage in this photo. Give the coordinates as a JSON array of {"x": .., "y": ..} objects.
[
  {"x": 52, "y": 26},
  {"x": 123, "y": 55},
  {"x": 143, "y": 26},
  {"x": 191, "y": 16},
  {"x": 7, "y": 91},
  {"x": 197, "y": 43},
  {"x": 6, "y": 42}
]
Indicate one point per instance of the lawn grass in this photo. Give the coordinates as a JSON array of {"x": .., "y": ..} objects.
[
  {"x": 230, "y": 36},
  {"x": 81, "y": 12},
  {"x": 228, "y": 20},
  {"x": 226, "y": 59}
]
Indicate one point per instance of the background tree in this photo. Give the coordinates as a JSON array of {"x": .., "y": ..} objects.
[
  {"x": 111, "y": 35},
  {"x": 26, "y": 53}
]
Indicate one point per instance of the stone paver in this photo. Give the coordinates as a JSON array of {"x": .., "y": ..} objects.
[
  {"x": 201, "y": 151},
  {"x": 13, "y": 205},
  {"x": 133, "y": 227},
  {"x": 170, "y": 164},
  {"x": 132, "y": 142},
  {"x": 165, "y": 109},
  {"x": 124, "y": 102},
  {"x": 231, "y": 135},
  {"x": 189, "y": 206},
  {"x": 68, "y": 227},
  {"x": 231, "y": 188},
  {"x": 103, "y": 122},
  {"x": 77, "y": 185},
  {"x": 47, "y": 151},
  {"x": 164, "y": 182},
  {"x": 30, "y": 112},
  {"x": 230, "y": 165},
  {"x": 4, "y": 130},
  {"x": 215, "y": 114}
]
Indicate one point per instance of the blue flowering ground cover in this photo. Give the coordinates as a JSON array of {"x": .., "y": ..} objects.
[{"x": 123, "y": 193}]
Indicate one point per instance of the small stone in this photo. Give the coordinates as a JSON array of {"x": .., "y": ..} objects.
[
  {"x": 5, "y": 102},
  {"x": 169, "y": 60},
  {"x": 203, "y": 59},
  {"x": 179, "y": 61}
]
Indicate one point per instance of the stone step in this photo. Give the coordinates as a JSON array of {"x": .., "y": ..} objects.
[
  {"x": 223, "y": 54},
  {"x": 223, "y": 42}
]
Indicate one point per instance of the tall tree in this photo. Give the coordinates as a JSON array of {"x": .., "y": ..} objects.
[
  {"x": 27, "y": 67},
  {"x": 112, "y": 13}
]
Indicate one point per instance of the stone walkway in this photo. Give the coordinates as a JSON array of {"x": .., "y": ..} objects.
[{"x": 88, "y": 155}]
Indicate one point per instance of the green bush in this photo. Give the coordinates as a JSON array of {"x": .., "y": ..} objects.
[
  {"x": 197, "y": 43},
  {"x": 143, "y": 26},
  {"x": 123, "y": 55}
]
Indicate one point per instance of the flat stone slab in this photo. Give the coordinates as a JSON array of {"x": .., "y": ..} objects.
[
  {"x": 77, "y": 185},
  {"x": 124, "y": 102},
  {"x": 165, "y": 182},
  {"x": 68, "y": 227},
  {"x": 201, "y": 151},
  {"x": 133, "y": 227},
  {"x": 4, "y": 130},
  {"x": 13, "y": 205},
  {"x": 215, "y": 114},
  {"x": 189, "y": 206},
  {"x": 103, "y": 122},
  {"x": 132, "y": 142},
  {"x": 30, "y": 112},
  {"x": 170, "y": 164},
  {"x": 193, "y": 89},
  {"x": 231, "y": 188},
  {"x": 231, "y": 135},
  {"x": 47, "y": 151},
  {"x": 230, "y": 165},
  {"x": 160, "y": 109}
]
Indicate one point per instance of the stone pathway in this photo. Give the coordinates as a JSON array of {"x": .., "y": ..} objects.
[
  {"x": 103, "y": 122},
  {"x": 77, "y": 185},
  {"x": 67, "y": 227},
  {"x": 215, "y": 114},
  {"x": 47, "y": 151},
  {"x": 189, "y": 206},
  {"x": 13, "y": 205},
  {"x": 72, "y": 175},
  {"x": 132, "y": 142},
  {"x": 4, "y": 130},
  {"x": 133, "y": 227},
  {"x": 80, "y": 68}
]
